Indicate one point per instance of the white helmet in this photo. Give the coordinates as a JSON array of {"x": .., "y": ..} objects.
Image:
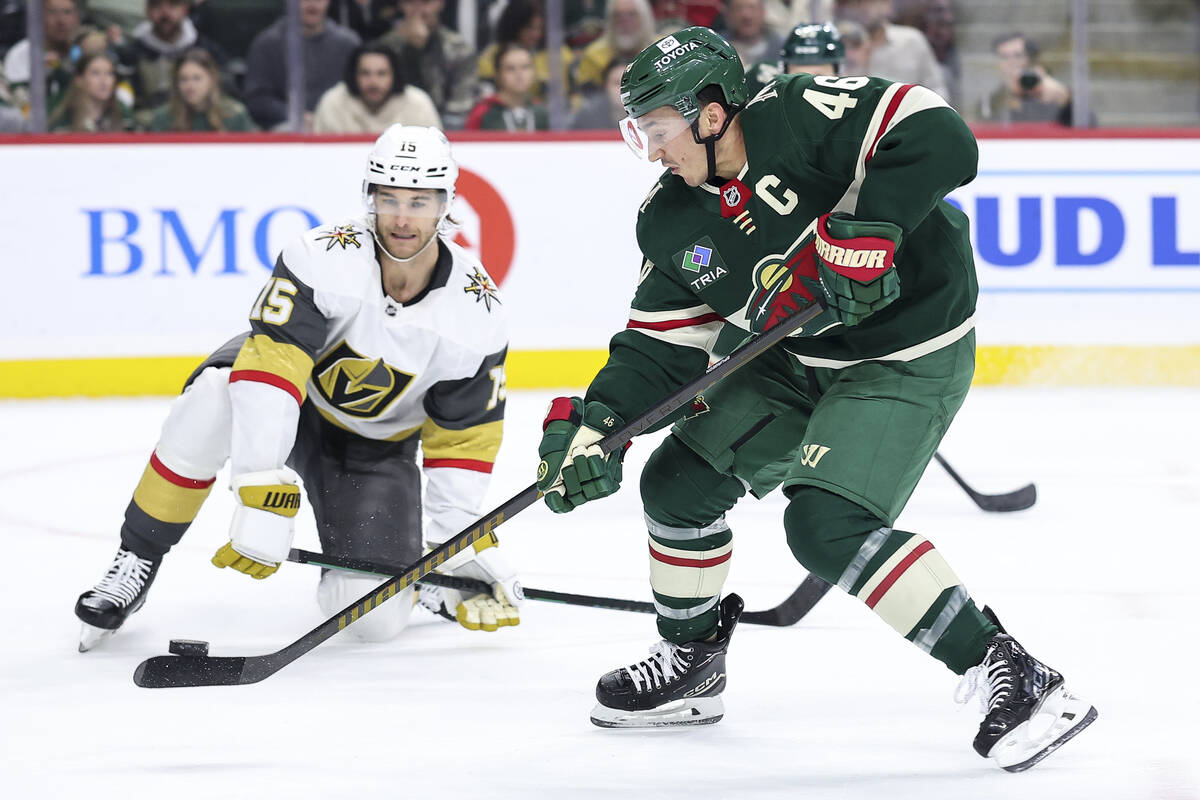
[{"x": 411, "y": 157}]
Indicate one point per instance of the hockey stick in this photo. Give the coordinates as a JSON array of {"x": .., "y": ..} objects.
[
  {"x": 786, "y": 613},
  {"x": 1016, "y": 500},
  {"x": 173, "y": 671}
]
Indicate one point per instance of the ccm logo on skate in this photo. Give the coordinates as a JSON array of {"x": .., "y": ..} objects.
[{"x": 708, "y": 683}]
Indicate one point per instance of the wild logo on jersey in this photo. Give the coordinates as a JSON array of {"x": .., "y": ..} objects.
[
  {"x": 342, "y": 235},
  {"x": 781, "y": 288},
  {"x": 358, "y": 386},
  {"x": 481, "y": 286}
]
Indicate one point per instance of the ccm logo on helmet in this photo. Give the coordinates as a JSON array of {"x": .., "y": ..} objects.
[{"x": 846, "y": 257}]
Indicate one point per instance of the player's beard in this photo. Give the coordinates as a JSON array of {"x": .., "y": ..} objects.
[{"x": 402, "y": 259}]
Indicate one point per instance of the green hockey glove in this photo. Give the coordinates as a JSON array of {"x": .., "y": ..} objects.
[
  {"x": 854, "y": 262},
  {"x": 573, "y": 469}
]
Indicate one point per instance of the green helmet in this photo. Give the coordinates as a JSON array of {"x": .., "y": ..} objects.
[
  {"x": 673, "y": 70},
  {"x": 813, "y": 44}
]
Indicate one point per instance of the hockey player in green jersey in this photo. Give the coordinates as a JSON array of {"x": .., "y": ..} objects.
[
  {"x": 810, "y": 49},
  {"x": 817, "y": 189}
]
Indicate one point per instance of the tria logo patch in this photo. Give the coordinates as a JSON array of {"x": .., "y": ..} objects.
[{"x": 703, "y": 260}]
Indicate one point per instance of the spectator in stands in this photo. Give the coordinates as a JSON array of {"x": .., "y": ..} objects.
[
  {"x": 746, "y": 29},
  {"x": 937, "y": 23},
  {"x": 523, "y": 22},
  {"x": 155, "y": 44},
  {"x": 602, "y": 110},
  {"x": 60, "y": 25},
  {"x": 327, "y": 47},
  {"x": 511, "y": 108},
  {"x": 1027, "y": 93},
  {"x": 858, "y": 47},
  {"x": 898, "y": 52},
  {"x": 195, "y": 102},
  {"x": 91, "y": 104},
  {"x": 372, "y": 96},
  {"x": 11, "y": 118},
  {"x": 435, "y": 58},
  {"x": 629, "y": 30},
  {"x": 370, "y": 19}
]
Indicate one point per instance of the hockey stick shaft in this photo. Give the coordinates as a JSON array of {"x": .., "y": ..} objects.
[
  {"x": 786, "y": 613},
  {"x": 173, "y": 671},
  {"x": 1016, "y": 500}
]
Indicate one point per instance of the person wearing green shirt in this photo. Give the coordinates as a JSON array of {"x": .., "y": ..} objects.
[
  {"x": 195, "y": 102},
  {"x": 817, "y": 191}
]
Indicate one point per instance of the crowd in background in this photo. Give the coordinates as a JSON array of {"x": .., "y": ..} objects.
[{"x": 220, "y": 65}]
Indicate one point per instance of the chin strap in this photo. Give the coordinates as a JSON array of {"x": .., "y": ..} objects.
[
  {"x": 710, "y": 143},
  {"x": 375, "y": 234}
]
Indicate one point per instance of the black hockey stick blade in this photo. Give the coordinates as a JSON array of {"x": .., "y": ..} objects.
[
  {"x": 1016, "y": 500},
  {"x": 177, "y": 671},
  {"x": 794, "y": 608}
]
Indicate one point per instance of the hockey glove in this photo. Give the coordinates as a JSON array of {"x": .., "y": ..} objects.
[
  {"x": 260, "y": 535},
  {"x": 573, "y": 469},
  {"x": 854, "y": 262},
  {"x": 478, "y": 612}
]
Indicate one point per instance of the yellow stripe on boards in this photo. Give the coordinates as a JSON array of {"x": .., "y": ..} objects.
[{"x": 1035, "y": 365}]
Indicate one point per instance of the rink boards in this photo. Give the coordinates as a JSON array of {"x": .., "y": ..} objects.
[{"x": 126, "y": 260}]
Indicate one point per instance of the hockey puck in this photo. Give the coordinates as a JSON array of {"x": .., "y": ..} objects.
[{"x": 188, "y": 647}]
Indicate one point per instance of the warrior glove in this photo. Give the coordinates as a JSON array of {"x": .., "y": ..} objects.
[
  {"x": 260, "y": 535},
  {"x": 854, "y": 262},
  {"x": 574, "y": 469},
  {"x": 477, "y": 611}
]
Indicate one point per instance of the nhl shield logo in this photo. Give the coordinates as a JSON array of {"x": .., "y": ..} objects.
[{"x": 734, "y": 196}]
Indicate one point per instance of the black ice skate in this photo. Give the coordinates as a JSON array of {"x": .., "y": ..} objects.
[
  {"x": 122, "y": 590},
  {"x": 676, "y": 685},
  {"x": 1029, "y": 713}
]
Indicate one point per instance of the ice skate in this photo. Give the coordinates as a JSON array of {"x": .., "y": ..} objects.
[
  {"x": 1029, "y": 713},
  {"x": 676, "y": 685},
  {"x": 122, "y": 590}
]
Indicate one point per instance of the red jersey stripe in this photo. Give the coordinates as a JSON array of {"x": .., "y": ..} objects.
[
  {"x": 259, "y": 376},
  {"x": 887, "y": 119},
  {"x": 460, "y": 463},
  {"x": 672, "y": 324},
  {"x": 900, "y": 569},
  {"x": 169, "y": 476}
]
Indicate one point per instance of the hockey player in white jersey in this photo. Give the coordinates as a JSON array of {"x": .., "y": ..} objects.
[{"x": 371, "y": 336}]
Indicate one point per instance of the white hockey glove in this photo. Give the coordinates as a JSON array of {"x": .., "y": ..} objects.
[
  {"x": 479, "y": 612},
  {"x": 260, "y": 534}
]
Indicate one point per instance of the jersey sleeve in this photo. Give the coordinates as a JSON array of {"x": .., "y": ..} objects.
[
  {"x": 667, "y": 342},
  {"x": 267, "y": 384},
  {"x": 900, "y": 145},
  {"x": 460, "y": 439}
]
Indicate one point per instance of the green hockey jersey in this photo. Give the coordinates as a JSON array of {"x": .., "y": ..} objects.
[{"x": 876, "y": 149}]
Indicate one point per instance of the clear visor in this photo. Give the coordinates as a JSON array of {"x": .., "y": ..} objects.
[
  {"x": 393, "y": 202},
  {"x": 648, "y": 134}
]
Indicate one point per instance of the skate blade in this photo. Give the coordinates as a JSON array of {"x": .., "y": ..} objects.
[
  {"x": 696, "y": 711},
  {"x": 90, "y": 636},
  {"x": 1057, "y": 719}
]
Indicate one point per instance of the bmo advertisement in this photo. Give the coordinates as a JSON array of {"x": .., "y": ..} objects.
[{"x": 137, "y": 247}]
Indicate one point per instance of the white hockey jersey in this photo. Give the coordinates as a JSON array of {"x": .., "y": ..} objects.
[{"x": 323, "y": 329}]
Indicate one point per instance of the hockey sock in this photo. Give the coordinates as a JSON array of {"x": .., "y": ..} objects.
[
  {"x": 163, "y": 506},
  {"x": 690, "y": 543},
  {"x": 897, "y": 574}
]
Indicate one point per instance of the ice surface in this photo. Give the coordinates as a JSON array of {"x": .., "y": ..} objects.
[{"x": 1098, "y": 579}]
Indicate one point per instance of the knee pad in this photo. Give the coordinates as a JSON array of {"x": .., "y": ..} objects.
[
  {"x": 339, "y": 589},
  {"x": 825, "y": 530},
  {"x": 195, "y": 439},
  {"x": 681, "y": 488}
]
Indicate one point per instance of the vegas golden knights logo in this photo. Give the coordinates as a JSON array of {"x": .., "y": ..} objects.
[{"x": 358, "y": 386}]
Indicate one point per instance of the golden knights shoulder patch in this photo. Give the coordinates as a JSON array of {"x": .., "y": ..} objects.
[
  {"x": 482, "y": 287},
  {"x": 343, "y": 235}
]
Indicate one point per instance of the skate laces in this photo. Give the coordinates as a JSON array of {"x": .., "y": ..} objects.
[
  {"x": 124, "y": 579},
  {"x": 663, "y": 664},
  {"x": 991, "y": 682}
]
